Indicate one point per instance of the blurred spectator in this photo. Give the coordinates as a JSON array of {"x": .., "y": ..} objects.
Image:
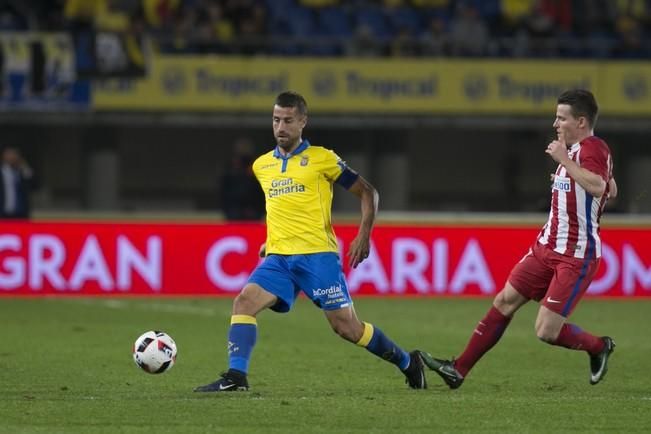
[
  {"x": 469, "y": 34},
  {"x": 98, "y": 14},
  {"x": 160, "y": 14},
  {"x": 134, "y": 40},
  {"x": 558, "y": 11},
  {"x": 184, "y": 28},
  {"x": 592, "y": 16},
  {"x": 363, "y": 43},
  {"x": 403, "y": 45},
  {"x": 112, "y": 19},
  {"x": 15, "y": 184},
  {"x": 222, "y": 27},
  {"x": 513, "y": 15},
  {"x": 538, "y": 28},
  {"x": 253, "y": 30},
  {"x": 241, "y": 196},
  {"x": 82, "y": 11},
  {"x": 434, "y": 41},
  {"x": 514, "y": 11},
  {"x": 629, "y": 39},
  {"x": 540, "y": 23}
]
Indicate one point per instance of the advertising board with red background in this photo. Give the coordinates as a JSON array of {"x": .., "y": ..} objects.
[{"x": 107, "y": 259}]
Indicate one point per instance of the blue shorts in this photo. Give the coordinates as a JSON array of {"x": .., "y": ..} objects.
[{"x": 319, "y": 275}]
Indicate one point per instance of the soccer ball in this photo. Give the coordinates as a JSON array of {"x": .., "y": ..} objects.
[{"x": 154, "y": 352}]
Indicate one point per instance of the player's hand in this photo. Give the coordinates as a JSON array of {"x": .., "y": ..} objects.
[
  {"x": 359, "y": 250},
  {"x": 557, "y": 149},
  {"x": 263, "y": 250}
]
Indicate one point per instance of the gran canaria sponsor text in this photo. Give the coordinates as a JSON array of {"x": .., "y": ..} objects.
[{"x": 284, "y": 186}]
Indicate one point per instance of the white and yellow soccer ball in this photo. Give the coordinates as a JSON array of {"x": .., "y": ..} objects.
[{"x": 154, "y": 352}]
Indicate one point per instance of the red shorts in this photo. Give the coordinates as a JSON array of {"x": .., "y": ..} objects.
[{"x": 556, "y": 281}]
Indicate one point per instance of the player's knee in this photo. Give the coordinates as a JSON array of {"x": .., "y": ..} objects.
[
  {"x": 502, "y": 304},
  {"x": 499, "y": 301},
  {"x": 244, "y": 303},
  {"x": 508, "y": 301}
]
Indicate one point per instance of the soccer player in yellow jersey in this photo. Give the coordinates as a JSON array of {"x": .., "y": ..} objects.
[{"x": 301, "y": 249}]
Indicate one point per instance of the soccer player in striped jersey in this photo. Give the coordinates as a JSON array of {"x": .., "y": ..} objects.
[
  {"x": 560, "y": 265},
  {"x": 301, "y": 253}
]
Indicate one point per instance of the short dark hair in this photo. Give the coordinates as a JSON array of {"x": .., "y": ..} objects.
[
  {"x": 292, "y": 99},
  {"x": 582, "y": 103}
]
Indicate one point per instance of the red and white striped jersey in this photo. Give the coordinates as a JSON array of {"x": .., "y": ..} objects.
[{"x": 572, "y": 228}]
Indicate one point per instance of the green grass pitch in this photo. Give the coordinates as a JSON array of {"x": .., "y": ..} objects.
[{"x": 66, "y": 367}]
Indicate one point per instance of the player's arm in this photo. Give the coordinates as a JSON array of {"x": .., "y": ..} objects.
[
  {"x": 590, "y": 181},
  {"x": 369, "y": 198},
  {"x": 612, "y": 188}
]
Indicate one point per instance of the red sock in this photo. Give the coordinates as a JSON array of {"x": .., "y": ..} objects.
[
  {"x": 574, "y": 338},
  {"x": 488, "y": 332}
]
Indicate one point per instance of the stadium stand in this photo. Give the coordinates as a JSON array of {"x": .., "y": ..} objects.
[{"x": 458, "y": 28}]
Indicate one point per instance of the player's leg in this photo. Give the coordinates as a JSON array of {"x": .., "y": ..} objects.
[
  {"x": 530, "y": 276},
  {"x": 490, "y": 329},
  {"x": 486, "y": 334},
  {"x": 322, "y": 279},
  {"x": 269, "y": 287},
  {"x": 242, "y": 336},
  {"x": 570, "y": 282},
  {"x": 345, "y": 323}
]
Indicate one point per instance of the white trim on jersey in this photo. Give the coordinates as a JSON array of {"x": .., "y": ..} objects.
[
  {"x": 582, "y": 239},
  {"x": 563, "y": 218}
]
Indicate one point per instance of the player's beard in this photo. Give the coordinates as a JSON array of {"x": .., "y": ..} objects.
[{"x": 287, "y": 143}]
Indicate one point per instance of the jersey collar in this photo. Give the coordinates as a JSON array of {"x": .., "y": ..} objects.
[{"x": 303, "y": 146}]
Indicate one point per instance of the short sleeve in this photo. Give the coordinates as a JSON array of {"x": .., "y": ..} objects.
[
  {"x": 595, "y": 157},
  {"x": 336, "y": 170},
  {"x": 332, "y": 166},
  {"x": 255, "y": 167}
]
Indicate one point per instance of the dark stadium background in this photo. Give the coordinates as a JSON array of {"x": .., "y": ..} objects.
[{"x": 128, "y": 160}]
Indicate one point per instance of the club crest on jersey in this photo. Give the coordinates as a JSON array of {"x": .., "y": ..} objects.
[
  {"x": 304, "y": 160},
  {"x": 562, "y": 183}
]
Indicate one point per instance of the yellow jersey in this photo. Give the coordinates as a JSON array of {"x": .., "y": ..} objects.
[{"x": 298, "y": 197}]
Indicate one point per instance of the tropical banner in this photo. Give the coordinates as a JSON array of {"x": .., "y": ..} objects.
[
  {"x": 108, "y": 259},
  {"x": 379, "y": 86}
]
